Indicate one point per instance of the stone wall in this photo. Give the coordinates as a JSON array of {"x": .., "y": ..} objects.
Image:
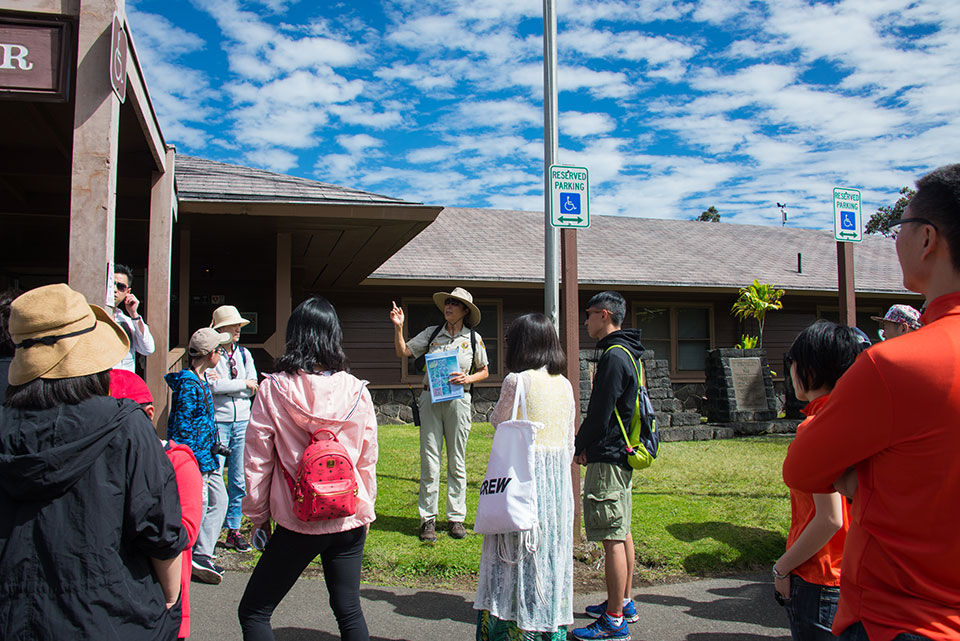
[
  {"x": 671, "y": 412},
  {"x": 393, "y": 405}
]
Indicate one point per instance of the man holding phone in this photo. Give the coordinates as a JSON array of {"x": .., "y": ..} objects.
[{"x": 127, "y": 315}]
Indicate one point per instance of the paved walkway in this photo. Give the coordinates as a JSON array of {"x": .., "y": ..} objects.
[{"x": 728, "y": 609}]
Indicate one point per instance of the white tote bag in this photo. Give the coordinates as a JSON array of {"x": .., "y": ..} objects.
[{"x": 508, "y": 494}]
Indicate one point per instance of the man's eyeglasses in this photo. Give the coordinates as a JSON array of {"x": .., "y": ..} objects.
[
  {"x": 592, "y": 311},
  {"x": 894, "y": 225},
  {"x": 121, "y": 287}
]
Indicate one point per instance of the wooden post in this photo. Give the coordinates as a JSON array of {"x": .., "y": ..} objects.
[
  {"x": 284, "y": 301},
  {"x": 93, "y": 181},
  {"x": 158, "y": 285},
  {"x": 570, "y": 337},
  {"x": 183, "y": 313},
  {"x": 848, "y": 300}
]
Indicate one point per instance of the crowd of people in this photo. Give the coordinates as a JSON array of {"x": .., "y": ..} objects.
[{"x": 105, "y": 523}]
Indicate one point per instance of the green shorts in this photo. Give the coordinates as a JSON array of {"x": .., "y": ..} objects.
[{"x": 607, "y": 502}]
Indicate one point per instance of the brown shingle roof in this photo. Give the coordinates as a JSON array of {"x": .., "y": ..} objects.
[
  {"x": 491, "y": 245},
  {"x": 199, "y": 179}
]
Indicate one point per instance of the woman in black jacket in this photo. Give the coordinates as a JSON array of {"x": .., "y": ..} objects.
[{"x": 90, "y": 538}]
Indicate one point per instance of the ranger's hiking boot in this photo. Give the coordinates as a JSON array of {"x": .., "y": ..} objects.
[{"x": 428, "y": 531}]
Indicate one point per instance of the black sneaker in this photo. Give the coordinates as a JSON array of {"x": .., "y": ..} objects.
[
  {"x": 457, "y": 531},
  {"x": 428, "y": 531},
  {"x": 205, "y": 571},
  {"x": 235, "y": 541}
]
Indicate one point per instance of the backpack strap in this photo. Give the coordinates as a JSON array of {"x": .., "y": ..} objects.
[
  {"x": 640, "y": 383},
  {"x": 473, "y": 352}
]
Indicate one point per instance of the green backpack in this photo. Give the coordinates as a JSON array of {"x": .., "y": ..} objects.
[{"x": 643, "y": 441}]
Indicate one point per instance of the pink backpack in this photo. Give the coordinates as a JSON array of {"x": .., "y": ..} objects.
[{"x": 326, "y": 484}]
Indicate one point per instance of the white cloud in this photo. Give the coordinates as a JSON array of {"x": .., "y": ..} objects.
[
  {"x": 358, "y": 143},
  {"x": 272, "y": 159},
  {"x": 583, "y": 125},
  {"x": 508, "y": 114}
]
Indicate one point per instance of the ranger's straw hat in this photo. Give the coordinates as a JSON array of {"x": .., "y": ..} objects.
[
  {"x": 58, "y": 335},
  {"x": 462, "y": 295},
  {"x": 227, "y": 315}
]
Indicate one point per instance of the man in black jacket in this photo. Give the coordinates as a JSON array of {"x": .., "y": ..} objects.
[{"x": 608, "y": 482}]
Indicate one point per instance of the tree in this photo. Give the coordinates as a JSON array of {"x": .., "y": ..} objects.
[
  {"x": 880, "y": 221},
  {"x": 710, "y": 215},
  {"x": 755, "y": 301}
]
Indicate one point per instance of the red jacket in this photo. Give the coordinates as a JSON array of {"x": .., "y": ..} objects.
[
  {"x": 823, "y": 568},
  {"x": 190, "y": 489},
  {"x": 895, "y": 415}
]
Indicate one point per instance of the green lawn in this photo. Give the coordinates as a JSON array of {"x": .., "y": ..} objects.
[{"x": 704, "y": 508}]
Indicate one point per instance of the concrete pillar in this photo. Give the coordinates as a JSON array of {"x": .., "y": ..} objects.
[
  {"x": 277, "y": 342},
  {"x": 96, "y": 130},
  {"x": 158, "y": 283}
]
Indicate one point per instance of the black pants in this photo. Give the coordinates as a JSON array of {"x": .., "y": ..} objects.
[{"x": 286, "y": 556}]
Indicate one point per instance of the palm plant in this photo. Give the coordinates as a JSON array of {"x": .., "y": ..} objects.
[{"x": 755, "y": 301}]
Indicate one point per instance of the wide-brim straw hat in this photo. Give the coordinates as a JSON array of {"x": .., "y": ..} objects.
[
  {"x": 462, "y": 295},
  {"x": 227, "y": 315},
  {"x": 59, "y": 335}
]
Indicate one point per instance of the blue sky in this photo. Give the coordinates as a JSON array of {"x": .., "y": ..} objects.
[{"x": 673, "y": 106}]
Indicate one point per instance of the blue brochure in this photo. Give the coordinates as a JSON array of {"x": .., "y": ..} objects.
[{"x": 439, "y": 367}]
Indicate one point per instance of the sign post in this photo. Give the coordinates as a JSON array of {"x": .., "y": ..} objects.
[
  {"x": 847, "y": 229},
  {"x": 569, "y": 196}
]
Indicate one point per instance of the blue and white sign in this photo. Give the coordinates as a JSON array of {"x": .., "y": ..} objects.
[
  {"x": 569, "y": 196},
  {"x": 847, "y": 215}
]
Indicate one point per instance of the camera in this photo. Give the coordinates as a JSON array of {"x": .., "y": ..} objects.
[{"x": 219, "y": 449}]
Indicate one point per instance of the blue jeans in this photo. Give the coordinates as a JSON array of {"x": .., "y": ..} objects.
[
  {"x": 214, "y": 505},
  {"x": 856, "y": 633},
  {"x": 232, "y": 435},
  {"x": 810, "y": 610}
]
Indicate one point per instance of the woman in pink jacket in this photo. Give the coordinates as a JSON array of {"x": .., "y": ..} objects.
[{"x": 311, "y": 390}]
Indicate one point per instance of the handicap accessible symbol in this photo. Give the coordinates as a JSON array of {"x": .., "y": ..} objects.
[
  {"x": 847, "y": 219},
  {"x": 570, "y": 203}
]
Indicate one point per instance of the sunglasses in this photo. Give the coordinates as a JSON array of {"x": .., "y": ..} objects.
[
  {"x": 233, "y": 363},
  {"x": 453, "y": 301},
  {"x": 121, "y": 287}
]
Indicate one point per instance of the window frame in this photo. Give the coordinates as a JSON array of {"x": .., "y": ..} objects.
[
  {"x": 677, "y": 375},
  {"x": 861, "y": 309},
  {"x": 493, "y": 378}
]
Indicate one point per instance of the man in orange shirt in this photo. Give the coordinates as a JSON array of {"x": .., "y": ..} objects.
[{"x": 893, "y": 421}]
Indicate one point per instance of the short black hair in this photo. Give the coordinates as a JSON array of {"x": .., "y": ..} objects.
[
  {"x": 532, "y": 342},
  {"x": 47, "y": 393},
  {"x": 938, "y": 199},
  {"x": 613, "y": 302},
  {"x": 314, "y": 339},
  {"x": 822, "y": 353},
  {"x": 126, "y": 271},
  {"x": 7, "y": 346}
]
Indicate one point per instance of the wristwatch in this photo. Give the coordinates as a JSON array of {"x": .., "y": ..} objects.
[{"x": 777, "y": 575}]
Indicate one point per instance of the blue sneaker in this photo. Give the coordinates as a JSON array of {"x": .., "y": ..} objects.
[
  {"x": 603, "y": 628},
  {"x": 629, "y": 611}
]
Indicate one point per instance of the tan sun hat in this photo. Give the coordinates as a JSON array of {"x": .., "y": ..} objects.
[
  {"x": 206, "y": 340},
  {"x": 59, "y": 335},
  {"x": 227, "y": 315},
  {"x": 462, "y": 295}
]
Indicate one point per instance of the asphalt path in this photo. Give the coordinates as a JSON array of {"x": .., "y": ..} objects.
[{"x": 725, "y": 609}]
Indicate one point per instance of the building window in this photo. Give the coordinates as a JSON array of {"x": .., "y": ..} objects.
[
  {"x": 869, "y": 326},
  {"x": 681, "y": 335},
  {"x": 422, "y": 313}
]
